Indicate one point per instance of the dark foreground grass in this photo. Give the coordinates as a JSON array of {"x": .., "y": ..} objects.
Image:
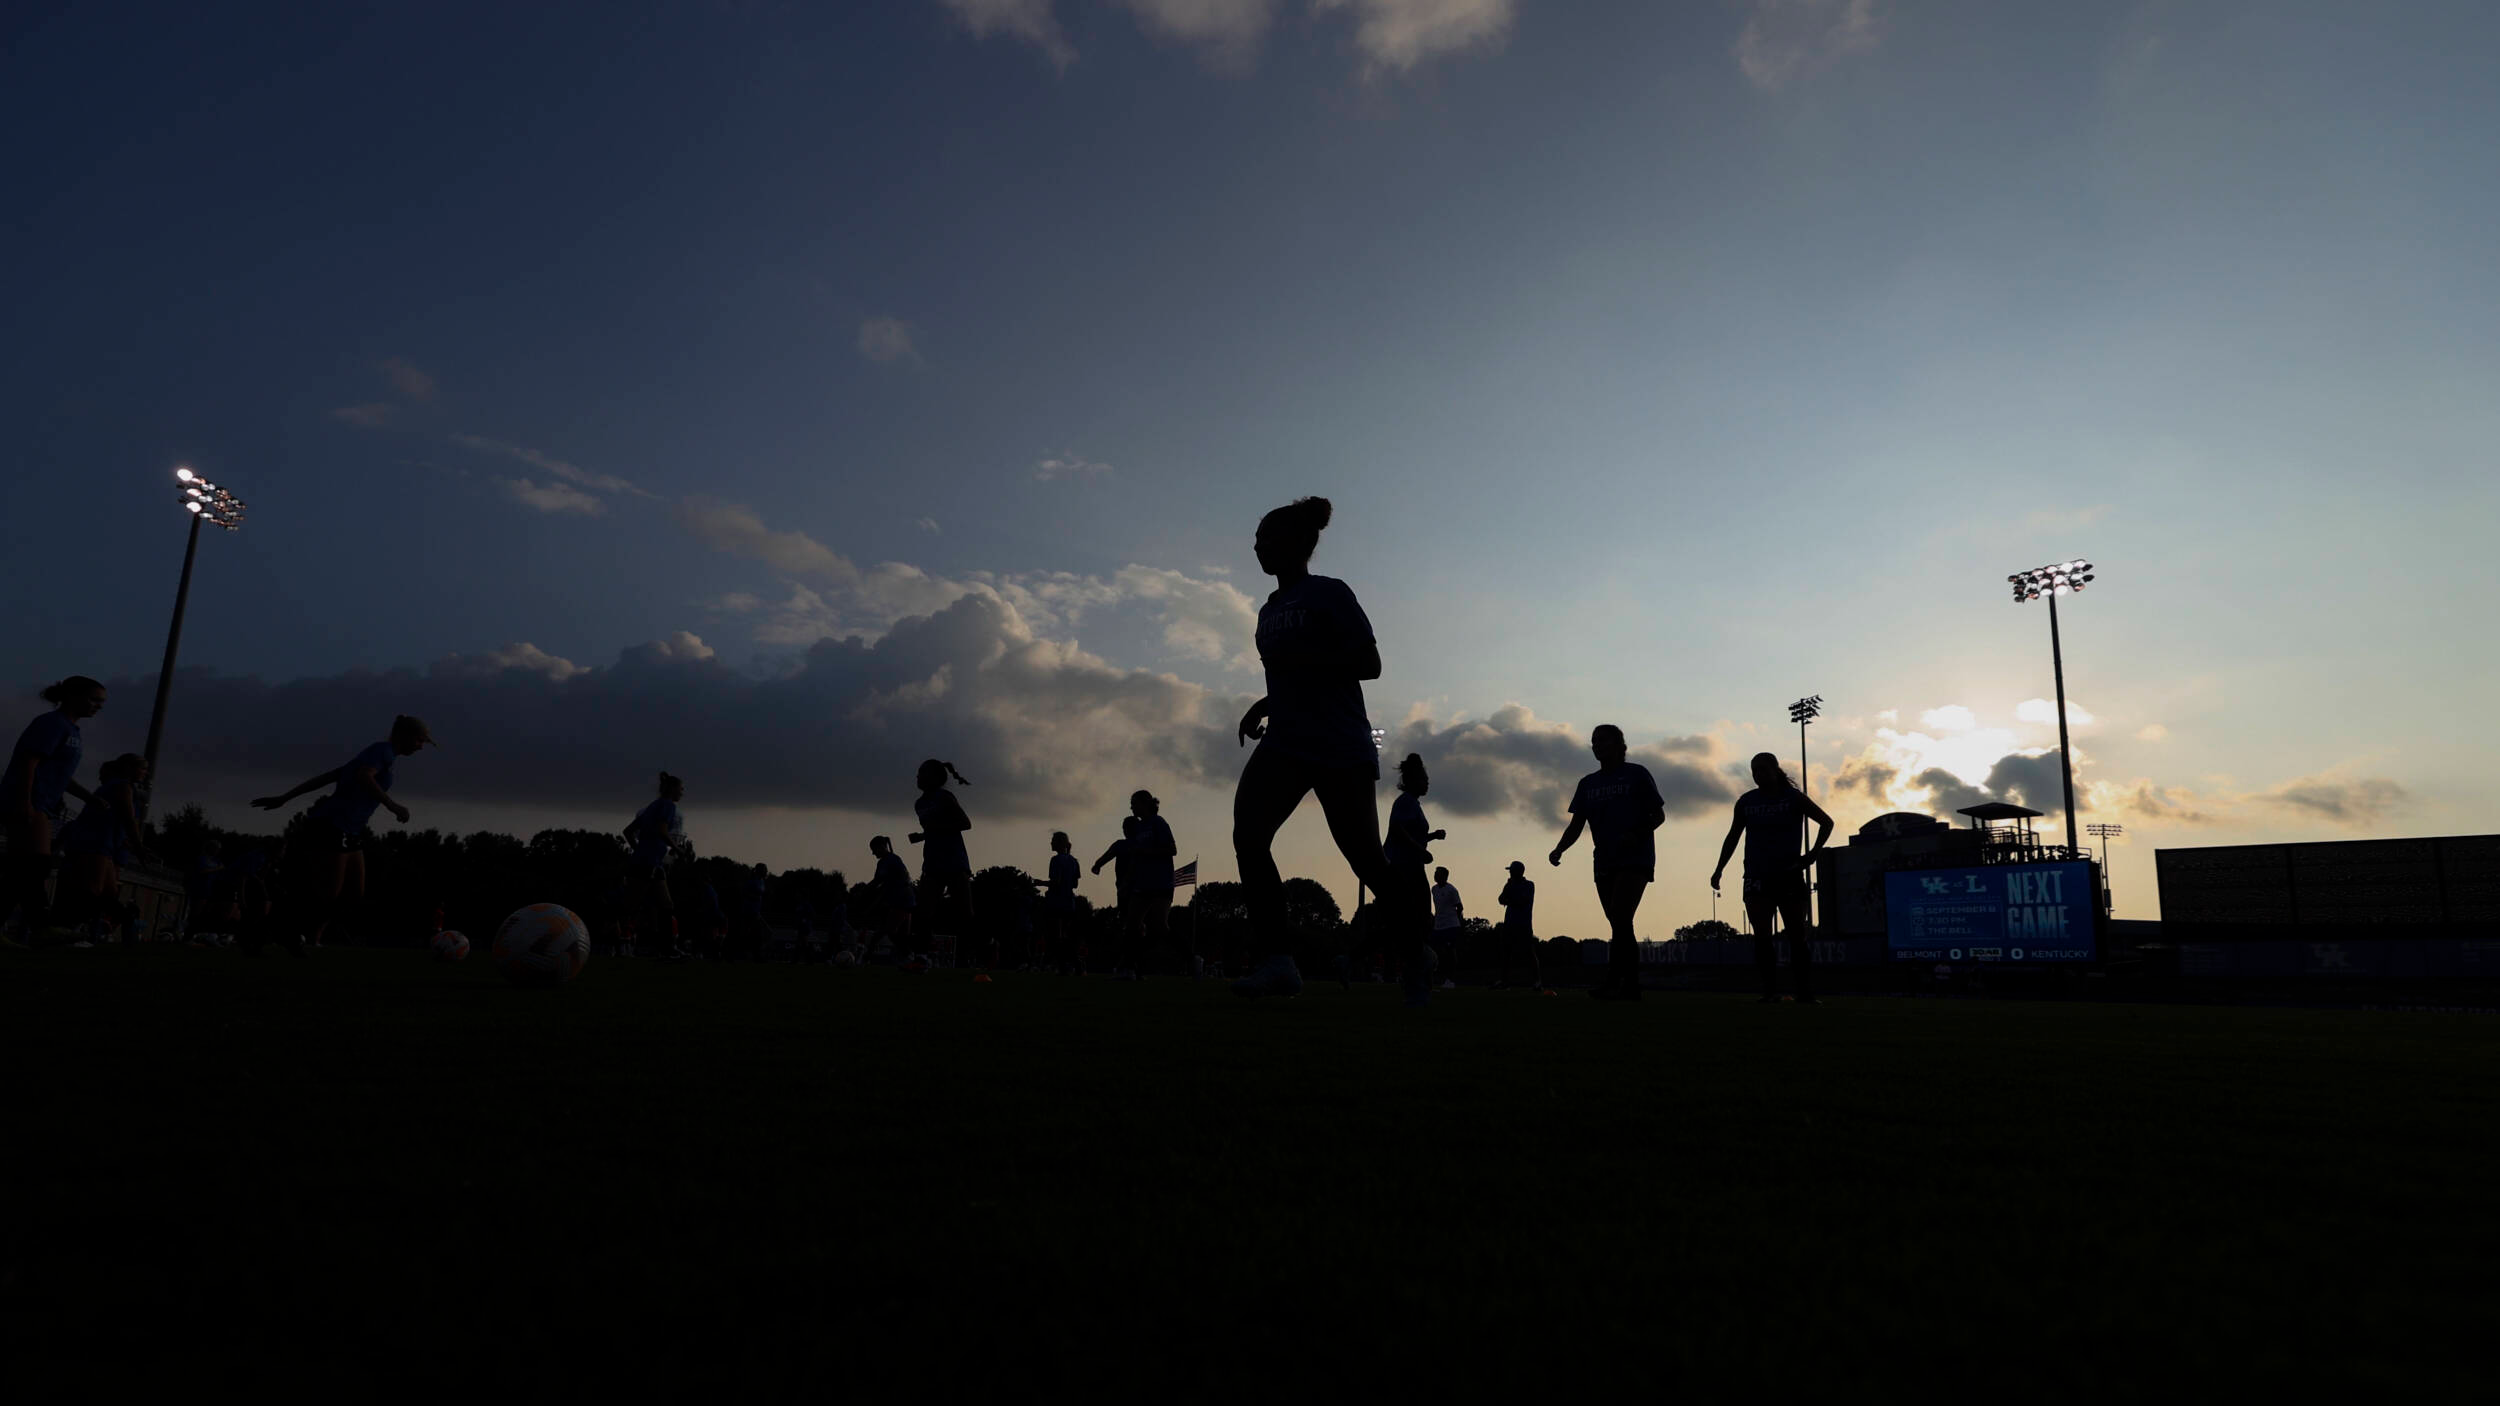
[{"x": 366, "y": 1171}]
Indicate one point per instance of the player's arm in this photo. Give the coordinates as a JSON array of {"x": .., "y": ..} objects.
[
  {"x": 1570, "y": 837},
  {"x": 1254, "y": 723},
  {"x": 1727, "y": 847},
  {"x": 327, "y": 778},
  {"x": 1109, "y": 855},
  {"x": 1822, "y": 830},
  {"x": 368, "y": 781}
]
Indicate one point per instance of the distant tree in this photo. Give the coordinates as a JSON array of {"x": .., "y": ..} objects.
[
  {"x": 1706, "y": 928},
  {"x": 1220, "y": 901},
  {"x": 1310, "y": 907}
]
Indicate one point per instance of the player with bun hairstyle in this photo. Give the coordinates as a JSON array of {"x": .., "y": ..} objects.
[
  {"x": 945, "y": 865},
  {"x": 1318, "y": 650},
  {"x": 1771, "y": 819},
  {"x": 95, "y": 846},
  {"x": 1406, "y": 856},
  {"x": 657, "y": 834},
  {"x": 331, "y": 851},
  {"x": 41, "y": 776}
]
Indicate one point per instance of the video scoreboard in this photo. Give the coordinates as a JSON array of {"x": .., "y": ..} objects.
[{"x": 1993, "y": 913}]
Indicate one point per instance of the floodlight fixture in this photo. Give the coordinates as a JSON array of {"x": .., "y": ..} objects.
[
  {"x": 207, "y": 503},
  {"x": 1806, "y": 710},
  {"x": 2062, "y": 578}
]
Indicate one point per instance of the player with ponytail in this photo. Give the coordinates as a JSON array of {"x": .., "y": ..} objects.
[
  {"x": 1317, "y": 648},
  {"x": 945, "y": 866}
]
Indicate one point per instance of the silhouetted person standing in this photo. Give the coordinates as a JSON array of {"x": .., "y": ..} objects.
[
  {"x": 331, "y": 850},
  {"x": 1059, "y": 939},
  {"x": 1771, "y": 819},
  {"x": 945, "y": 865},
  {"x": 1619, "y": 803},
  {"x": 41, "y": 778},
  {"x": 1152, "y": 850},
  {"x": 1449, "y": 919},
  {"x": 1518, "y": 938},
  {"x": 1317, "y": 648},
  {"x": 656, "y": 834},
  {"x": 96, "y": 845},
  {"x": 1406, "y": 853},
  {"x": 891, "y": 884}
]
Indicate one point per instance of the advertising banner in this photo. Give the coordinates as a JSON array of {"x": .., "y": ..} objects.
[{"x": 1999, "y": 913}]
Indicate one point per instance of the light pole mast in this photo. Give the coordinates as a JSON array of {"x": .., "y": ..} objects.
[
  {"x": 1801, "y": 712},
  {"x": 2064, "y": 578},
  {"x": 206, "y": 503}
]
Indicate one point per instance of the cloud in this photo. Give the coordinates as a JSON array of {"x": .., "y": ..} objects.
[
  {"x": 1228, "y": 31},
  {"x": 886, "y": 340},
  {"x": 928, "y": 525},
  {"x": 1041, "y": 727},
  {"x": 1068, "y": 464},
  {"x": 408, "y": 380},
  {"x": 2041, "y": 710},
  {"x": 551, "y": 497},
  {"x": 571, "y": 473},
  {"x": 2143, "y": 799},
  {"x": 1210, "y": 620},
  {"x": 1517, "y": 763},
  {"x": 1028, "y": 20},
  {"x": 1399, "y": 34},
  {"x": 2152, "y": 732},
  {"x": 737, "y": 529},
  {"x": 1952, "y": 717},
  {"x": 1784, "y": 40},
  {"x": 2344, "y": 802},
  {"x": 372, "y": 415}
]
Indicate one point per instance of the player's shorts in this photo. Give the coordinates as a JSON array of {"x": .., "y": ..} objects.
[{"x": 1776, "y": 888}]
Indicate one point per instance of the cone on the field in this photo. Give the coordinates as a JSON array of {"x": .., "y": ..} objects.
[
  {"x": 980, "y": 976},
  {"x": 1549, "y": 992}
]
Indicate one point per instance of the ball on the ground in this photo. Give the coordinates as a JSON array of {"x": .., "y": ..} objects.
[
  {"x": 450, "y": 946},
  {"x": 846, "y": 958},
  {"x": 541, "y": 945}
]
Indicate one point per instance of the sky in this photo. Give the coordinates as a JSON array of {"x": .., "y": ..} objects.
[{"x": 781, "y": 394}]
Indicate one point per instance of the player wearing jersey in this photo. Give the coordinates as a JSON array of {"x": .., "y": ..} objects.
[{"x": 1771, "y": 820}]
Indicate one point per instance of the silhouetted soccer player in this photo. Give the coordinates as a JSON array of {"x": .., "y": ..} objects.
[
  {"x": 1121, "y": 856},
  {"x": 891, "y": 886},
  {"x": 1449, "y": 919},
  {"x": 1317, "y": 647},
  {"x": 1405, "y": 854},
  {"x": 34, "y": 794},
  {"x": 96, "y": 845},
  {"x": 1620, "y": 803},
  {"x": 1154, "y": 849},
  {"x": 1518, "y": 935},
  {"x": 1771, "y": 818},
  {"x": 945, "y": 865},
  {"x": 1058, "y": 946},
  {"x": 332, "y": 853},
  {"x": 656, "y": 834}
]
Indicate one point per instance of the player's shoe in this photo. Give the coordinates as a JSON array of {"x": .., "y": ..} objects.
[{"x": 1273, "y": 976}]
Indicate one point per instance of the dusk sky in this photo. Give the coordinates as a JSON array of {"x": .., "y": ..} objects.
[{"x": 780, "y": 394}]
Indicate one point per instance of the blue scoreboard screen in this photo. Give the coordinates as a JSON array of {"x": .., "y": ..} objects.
[{"x": 2000, "y": 913}]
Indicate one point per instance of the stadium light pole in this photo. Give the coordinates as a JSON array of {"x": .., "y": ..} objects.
[
  {"x": 208, "y": 504},
  {"x": 2062, "y": 578},
  {"x": 2104, "y": 832},
  {"x": 1801, "y": 712}
]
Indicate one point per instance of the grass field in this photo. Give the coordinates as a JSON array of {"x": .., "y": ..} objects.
[{"x": 369, "y": 1171}]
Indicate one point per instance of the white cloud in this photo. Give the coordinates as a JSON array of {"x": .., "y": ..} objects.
[
  {"x": 2042, "y": 710},
  {"x": 1210, "y": 620},
  {"x": 737, "y": 529},
  {"x": 1067, "y": 463},
  {"x": 928, "y": 525},
  {"x": 551, "y": 497},
  {"x": 1952, "y": 717},
  {"x": 1028, "y": 20},
  {"x": 2152, "y": 732},
  {"x": 1889, "y": 716},
  {"x": 372, "y": 415},
  {"x": 1399, "y": 34},
  {"x": 2356, "y": 801},
  {"x": 553, "y": 466},
  {"x": 1228, "y": 30},
  {"x": 886, "y": 340},
  {"x": 408, "y": 380},
  {"x": 1784, "y": 40},
  {"x": 1517, "y": 763}
]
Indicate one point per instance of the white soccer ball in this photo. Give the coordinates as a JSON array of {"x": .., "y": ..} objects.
[
  {"x": 542, "y": 945},
  {"x": 450, "y": 946},
  {"x": 846, "y": 958}
]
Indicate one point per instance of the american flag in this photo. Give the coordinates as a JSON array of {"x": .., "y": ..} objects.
[{"x": 1186, "y": 875}]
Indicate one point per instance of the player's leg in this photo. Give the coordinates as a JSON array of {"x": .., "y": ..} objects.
[
  {"x": 1794, "y": 916},
  {"x": 1619, "y": 894},
  {"x": 1271, "y": 786},
  {"x": 1762, "y": 911}
]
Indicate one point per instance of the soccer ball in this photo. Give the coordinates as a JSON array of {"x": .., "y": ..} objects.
[
  {"x": 450, "y": 946},
  {"x": 541, "y": 945},
  {"x": 846, "y": 958}
]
